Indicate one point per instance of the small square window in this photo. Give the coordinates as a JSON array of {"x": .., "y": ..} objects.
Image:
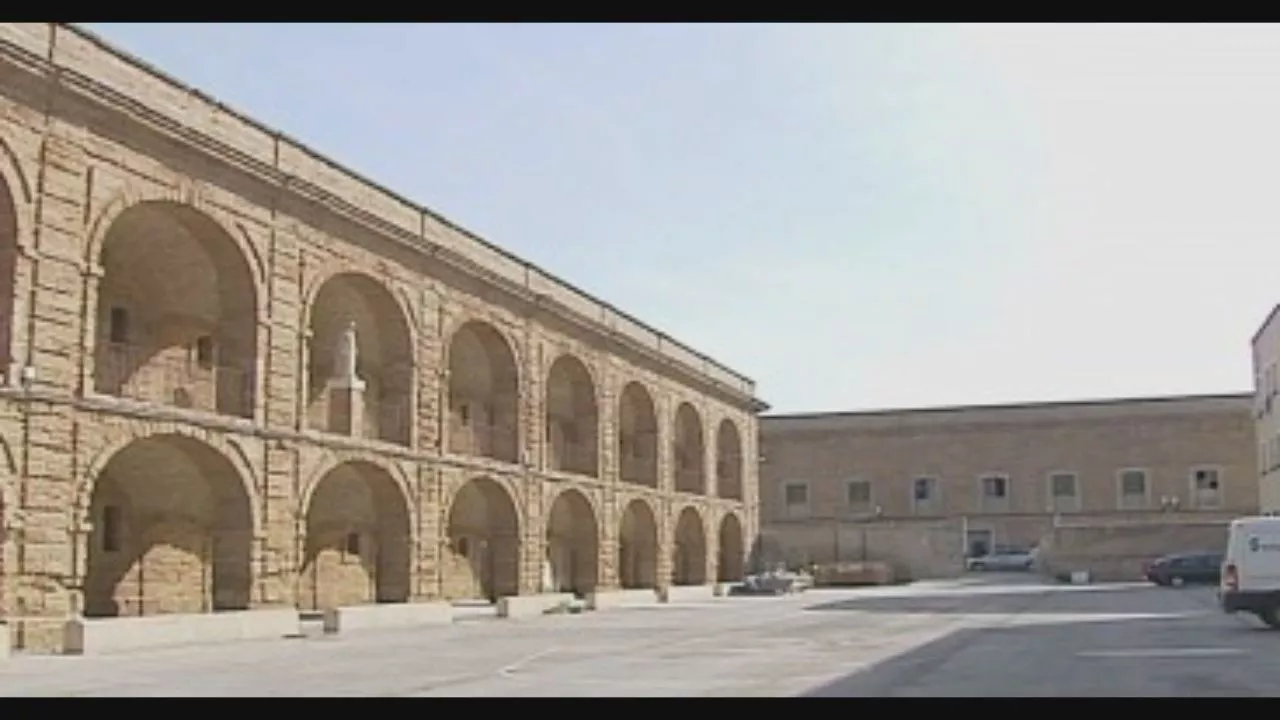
[
  {"x": 1133, "y": 483},
  {"x": 1063, "y": 485},
  {"x": 797, "y": 494},
  {"x": 995, "y": 487},
  {"x": 858, "y": 493},
  {"x": 922, "y": 489}
]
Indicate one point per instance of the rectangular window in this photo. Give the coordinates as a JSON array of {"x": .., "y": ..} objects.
[
  {"x": 858, "y": 493},
  {"x": 797, "y": 494},
  {"x": 111, "y": 529},
  {"x": 995, "y": 487},
  {"x": 1207, "y": 487},
  {"x": 118, "y": 325},
  {"x": 922, "y": 489},
  {"x": 1063, "y": 485},
  {"x": 1133, "y": 489},
  {"x": 204, "y": 352}
]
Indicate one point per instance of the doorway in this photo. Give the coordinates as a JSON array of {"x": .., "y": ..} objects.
[{"x": 978, "y": 543}]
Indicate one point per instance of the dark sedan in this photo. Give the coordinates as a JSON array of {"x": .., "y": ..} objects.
[{"x": 1199, "y": 568}]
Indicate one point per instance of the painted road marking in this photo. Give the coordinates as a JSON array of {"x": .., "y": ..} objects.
[{"x": 1164, "y": 653}]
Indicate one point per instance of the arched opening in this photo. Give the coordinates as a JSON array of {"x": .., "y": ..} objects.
[
  {"x": 732, "y": 550},
  {"x": 728, "y": 461},
  {"x": 688, "y": 453},
  {"x": 361, "y": 361},
  {"x": 484, "y": 394},
  {"x": 638, "y": 547},
  {"x": 176, "y": 319},
  {"x": 637, "y": 436},
  {"x": 482, "y": 559},
  {"x": 573, "y": 422},
  {"x": 357, "y": 543},
  {"x": 8, "y": 273},
  {"x": 573, "y": 546},
  {"x": 172, "y": 532},
  {"x": 689, "y": 561}
]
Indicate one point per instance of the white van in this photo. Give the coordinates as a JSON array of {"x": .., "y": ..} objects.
[{"x": 1251, "y": 569}]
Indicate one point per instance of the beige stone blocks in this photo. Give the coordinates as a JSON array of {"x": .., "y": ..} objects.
[{"x": 244, "y": 379}]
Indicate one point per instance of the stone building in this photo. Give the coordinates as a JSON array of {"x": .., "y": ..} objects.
[
  {"x": 240, "y": 376},
  {"x": 923, "y": 489},
  {"x": 1266, "y": 410}
]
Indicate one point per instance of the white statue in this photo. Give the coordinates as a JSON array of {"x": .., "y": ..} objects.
[
  {"x": 347, "y": 348},
  {"x": 548, "y": 574}
]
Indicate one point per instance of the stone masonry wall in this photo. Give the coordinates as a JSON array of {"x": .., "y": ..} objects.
[{"x": 81, "y": 151}]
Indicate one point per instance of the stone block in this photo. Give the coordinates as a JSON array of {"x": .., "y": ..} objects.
[
  {"x": 610, "y": 599},
  {"x": 516, "y": 607},
  {"x": 688, "y": 593},
  {"x": 397, "y": 615},
  {"x": 98, "y": 636}
]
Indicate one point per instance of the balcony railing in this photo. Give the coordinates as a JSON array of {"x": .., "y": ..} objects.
[
  {"x": 170, "y": 376},
  {"x": 390, "y": 419}
]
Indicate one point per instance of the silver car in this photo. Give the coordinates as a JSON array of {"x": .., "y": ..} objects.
[{"x": 1006, "y": 559}]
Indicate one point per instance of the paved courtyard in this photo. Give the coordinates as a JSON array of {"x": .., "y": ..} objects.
[{"x": 981, "y": 637}]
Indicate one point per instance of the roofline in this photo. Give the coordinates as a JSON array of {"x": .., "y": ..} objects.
[
  {"x": 1007, "y": 406},
  {"x": 151, "y": 68},
  {"x": 1270, "y": 316}
]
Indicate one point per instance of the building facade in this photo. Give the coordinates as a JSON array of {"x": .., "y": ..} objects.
[
  {"x": 240, "y": 376},
  {"x": 1266, "y": 410},
  {"x": 925, "y": 488}
]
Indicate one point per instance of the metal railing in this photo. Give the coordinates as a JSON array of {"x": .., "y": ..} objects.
[{"x": 172, "y": 376}]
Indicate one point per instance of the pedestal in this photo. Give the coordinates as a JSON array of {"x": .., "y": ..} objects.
[{"x": 346, "y": 407}]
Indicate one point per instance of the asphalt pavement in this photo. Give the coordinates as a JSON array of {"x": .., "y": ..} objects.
[{"x": 983, "y": 636}]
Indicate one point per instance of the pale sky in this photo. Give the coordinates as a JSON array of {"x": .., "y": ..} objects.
[{"x": 855, "y": 216}]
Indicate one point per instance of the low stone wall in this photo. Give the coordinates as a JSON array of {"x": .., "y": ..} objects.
[
  {"x": 1116, "y": 552},
  {"x": 688, "y": 593},
  {"x": 96, "y": 636},
  {"x": 398, "y": 615},
  {"x": 610, "y": 599},
  {"x": 517, "y": 607},
  {"x": 914, "y": 549}
]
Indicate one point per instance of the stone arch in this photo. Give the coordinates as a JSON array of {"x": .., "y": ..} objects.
[
  {"x": 638, "y": 546},
  {"x": 637, "y": 436},
  {"x": 729, "y": 460},
  {"x": 177, "y": 311},
  {"x": 572, "y": 563},
  {"x": 245, "y": 473},
  {"x": 572, "y": 418},
  {"x": 357, "y": 539},
  {"x": 482, "y": 556},
  {"x": 689, "y": 559},
  {"x": 484, "y": 394},
  {"x": 732, "y": 553},
  {"x": 9, "y": 250},
  {"x": 171, "y": 531},
  {"x": 377, "y": 402},
  {"x": 688, "y": 451}
]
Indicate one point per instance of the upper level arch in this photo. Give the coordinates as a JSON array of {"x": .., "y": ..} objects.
[
  {"x": 572, "y": 418},
  {"x": 177, "y": 310},
  {"x": 483, "y": 394},
  {"x": 361, "y": 359}
]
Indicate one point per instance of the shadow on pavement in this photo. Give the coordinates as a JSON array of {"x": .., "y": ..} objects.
[
  {"x": 1047, "y": 599},
  {"x": 1195, "y": 654}
]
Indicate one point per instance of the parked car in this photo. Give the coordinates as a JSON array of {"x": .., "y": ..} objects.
[
  {"x": 1003, "y": 559},
  {"x": 1194, "y": 568}
]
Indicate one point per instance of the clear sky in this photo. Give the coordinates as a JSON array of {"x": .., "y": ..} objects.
[{"x": 855, "y": 216}]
